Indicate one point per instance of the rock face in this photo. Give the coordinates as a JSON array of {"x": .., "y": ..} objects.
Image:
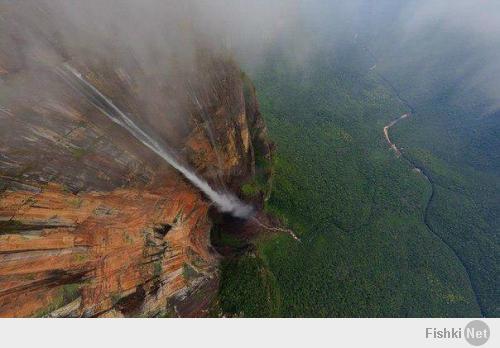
[{"x": 92, "y": 223}]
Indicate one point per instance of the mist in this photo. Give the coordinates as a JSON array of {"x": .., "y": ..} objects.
[
  {"x": 225, "y": 201},
  {"x": 165, "y": 36}
]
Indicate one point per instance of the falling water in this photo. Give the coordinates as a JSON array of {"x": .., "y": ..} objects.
[{"x": 224, "y": 201}]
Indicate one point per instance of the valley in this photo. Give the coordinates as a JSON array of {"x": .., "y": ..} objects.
[
  {"x": 422, "y": 171},
  {"x": 358, "y": 209}
]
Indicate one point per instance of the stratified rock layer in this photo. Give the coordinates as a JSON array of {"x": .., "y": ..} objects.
[{"x": 92, "y": 223}]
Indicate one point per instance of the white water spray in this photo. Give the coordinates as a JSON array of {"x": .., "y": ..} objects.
[{"x": 224, "y": 201}]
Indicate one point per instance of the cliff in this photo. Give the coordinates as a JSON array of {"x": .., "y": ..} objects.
[{"x": 92, "y": 223}]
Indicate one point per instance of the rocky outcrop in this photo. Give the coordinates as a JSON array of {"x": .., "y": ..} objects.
[
  {"x": 127, "y": 251},
  {"x": 92, "y": 223}
]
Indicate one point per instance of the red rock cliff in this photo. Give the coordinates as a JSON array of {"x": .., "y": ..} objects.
[{"x": 92, "y": 223}]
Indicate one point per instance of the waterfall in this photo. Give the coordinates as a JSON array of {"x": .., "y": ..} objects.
[{"x": 225, "y": 201}]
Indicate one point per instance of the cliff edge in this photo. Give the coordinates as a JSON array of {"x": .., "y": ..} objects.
[{"x": 94, "y": 224}]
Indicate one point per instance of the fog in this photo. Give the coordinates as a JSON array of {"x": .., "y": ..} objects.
[
  {"x": 156, "y": 33},
  {"x": 457, "y": 42},
  {"x": 225, "y": 201}
]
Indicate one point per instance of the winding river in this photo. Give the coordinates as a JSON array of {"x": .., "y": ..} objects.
[{"x": 423, "y": 172}]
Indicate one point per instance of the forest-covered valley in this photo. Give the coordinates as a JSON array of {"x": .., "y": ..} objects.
[{"x": 379, "y": 239}]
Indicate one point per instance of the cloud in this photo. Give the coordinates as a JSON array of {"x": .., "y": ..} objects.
[{"x": 155, "y": 34}]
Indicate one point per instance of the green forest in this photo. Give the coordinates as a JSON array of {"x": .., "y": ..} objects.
[{"x": 378, "y": 239}]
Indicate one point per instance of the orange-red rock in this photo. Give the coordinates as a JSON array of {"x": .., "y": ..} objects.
[{"x": 93, "y": 223}]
